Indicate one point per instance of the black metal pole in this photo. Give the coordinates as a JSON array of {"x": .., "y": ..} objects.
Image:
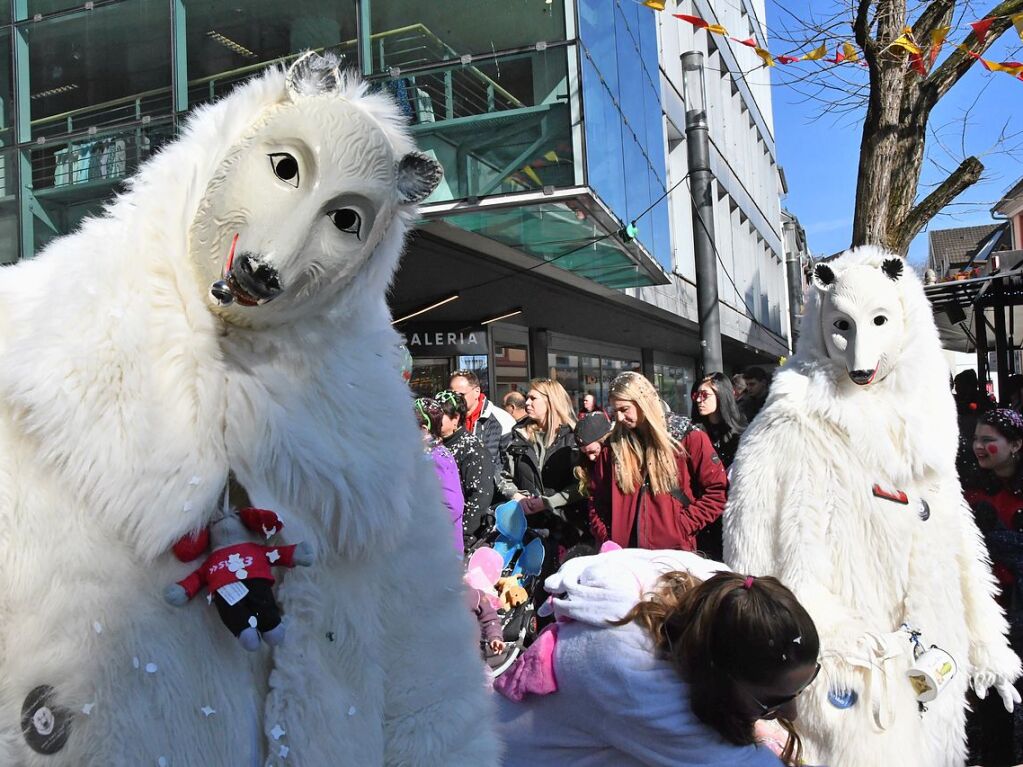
[
  {"x": 701, "y": 183},
  {"x": 1001, "y": 350}
]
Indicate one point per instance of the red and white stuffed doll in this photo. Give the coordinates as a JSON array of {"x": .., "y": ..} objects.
[{"x": 238, "y": 573}]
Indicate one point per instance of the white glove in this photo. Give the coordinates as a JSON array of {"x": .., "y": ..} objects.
[{"x": 984, "y": 680}]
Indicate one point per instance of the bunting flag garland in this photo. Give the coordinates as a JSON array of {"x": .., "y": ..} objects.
[
  {"x": 699, "y": 23},
  {"x": 980, "y": 28},
  {"x": 920, "y": 59},
  {"x": 937, "y": 40},
  {"x": 817, "y": 53}
]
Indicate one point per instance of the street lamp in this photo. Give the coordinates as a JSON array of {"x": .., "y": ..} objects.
[{"x": 701, "y": 184}]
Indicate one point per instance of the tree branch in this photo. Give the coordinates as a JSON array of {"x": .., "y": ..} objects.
[
  {"x": 959, "y": 62},
  {"x": 966, "y": 175},
  {"x": 936, "y": 14}
]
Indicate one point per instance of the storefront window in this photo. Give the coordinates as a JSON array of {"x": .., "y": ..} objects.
[
  {"x": 98, "y": 67},
  {"x": 408, "y": 35},
  {"x": 580, "y": 374},
  {"x": 6, "y": 89},
  {"x": 511, "y": 370},
  {"x": 228, "y": 41},
  {"x": 674, "y": 383},
  {"x": 8, "y": 206}
]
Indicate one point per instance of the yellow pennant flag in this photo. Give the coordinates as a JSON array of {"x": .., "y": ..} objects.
[
  {"x": 1013, "y": 68},
  {"x": 765, "y": 56},
  {"x": 849, "y": 52},
  {"x": 937, "y": 40},
  {"x": 1017, "y": 21},
  {"x": 533, "y": 176},
  {"x": 905, "y": 41},
  {"x": 657, "y": 5},
  {"x": 717, "y": 29},
  {"x": 817, "y": 53}
]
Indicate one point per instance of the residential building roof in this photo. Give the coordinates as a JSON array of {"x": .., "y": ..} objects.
[{"x": 953, "y": 248}]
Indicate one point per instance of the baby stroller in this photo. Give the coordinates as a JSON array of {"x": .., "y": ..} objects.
[{"x": 519, "y": 552}]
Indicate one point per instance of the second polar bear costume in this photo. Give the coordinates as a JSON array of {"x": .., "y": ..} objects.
[{"x": 845, "y": 488}]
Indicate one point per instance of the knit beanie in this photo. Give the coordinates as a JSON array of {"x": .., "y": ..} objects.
[{"x": 591, "y": 428}]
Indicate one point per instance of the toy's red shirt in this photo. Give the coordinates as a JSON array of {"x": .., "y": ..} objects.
[{"x": 240, "y": 562}]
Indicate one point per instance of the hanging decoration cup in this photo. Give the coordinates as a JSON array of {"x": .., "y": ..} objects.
[{"x": 931, "y": 673}]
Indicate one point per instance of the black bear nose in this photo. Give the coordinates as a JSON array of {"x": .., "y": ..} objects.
[
  {"x": 861, "y": 377},
  {"x": 259, "y": 280}
]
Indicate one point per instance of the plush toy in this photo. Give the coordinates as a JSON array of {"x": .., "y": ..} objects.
[
  {"x": 510, "y": 592},
  {"x": 238, "y": 574}
]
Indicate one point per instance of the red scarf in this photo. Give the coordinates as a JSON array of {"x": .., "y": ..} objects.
[{"x": 471, "y": 418}]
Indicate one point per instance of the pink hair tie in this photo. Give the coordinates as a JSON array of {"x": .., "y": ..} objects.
[{"x": 748, "y": 583}]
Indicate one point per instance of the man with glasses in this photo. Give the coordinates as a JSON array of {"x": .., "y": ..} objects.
[{"x": 491, "y": 425}]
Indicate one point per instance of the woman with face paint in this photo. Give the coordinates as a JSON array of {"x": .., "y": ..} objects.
[
  {"x": 658, "y": 481},
  {"x": 995, "y": 493}
]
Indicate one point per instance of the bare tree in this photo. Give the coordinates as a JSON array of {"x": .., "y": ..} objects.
[{"x": 899, "y": 105}]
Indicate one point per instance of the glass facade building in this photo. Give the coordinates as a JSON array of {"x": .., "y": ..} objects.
[{"x": 544, "y": 113}]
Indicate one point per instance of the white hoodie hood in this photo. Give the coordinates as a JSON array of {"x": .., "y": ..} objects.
[{"x": 604, "y": 587}]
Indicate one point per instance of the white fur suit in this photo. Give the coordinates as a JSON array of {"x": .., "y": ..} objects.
[{"x": 845, "y": 488}]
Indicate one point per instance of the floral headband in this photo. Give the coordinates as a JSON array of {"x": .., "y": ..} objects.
[{"x": 1004, "y": 419}]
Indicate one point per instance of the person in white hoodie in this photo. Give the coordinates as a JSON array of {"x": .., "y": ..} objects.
[{"x": 658, "y": 658}]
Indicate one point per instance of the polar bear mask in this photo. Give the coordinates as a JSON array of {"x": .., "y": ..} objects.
[
  {"x": 300, "y": 203},
  {"x": 862, "y": 318}
]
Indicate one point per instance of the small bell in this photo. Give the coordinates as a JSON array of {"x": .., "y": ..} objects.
[{"x": 221, "y": 293}]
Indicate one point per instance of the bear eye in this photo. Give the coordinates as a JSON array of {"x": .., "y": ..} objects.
[
  {"x": 842, "y": 324},
  {"x": 346, "y": 220},
  {"x": 285, "y": 167},
  {"x": 880, "y": 320}
]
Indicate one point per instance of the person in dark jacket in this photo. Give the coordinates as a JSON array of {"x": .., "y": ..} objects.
[
  {"x": 716, "y": 412},
  {"x": 650, "y": 489},
  {"x": 475, "y": 469},
  {"x": 489, "y": 424},
  {"x": 539, "y": 467},
  {"x": 757, "y": 385}
]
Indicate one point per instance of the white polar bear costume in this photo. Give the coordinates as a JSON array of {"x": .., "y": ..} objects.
[
  {"x": 845, "y": 488},
  {"x": 126, "y": 395}
]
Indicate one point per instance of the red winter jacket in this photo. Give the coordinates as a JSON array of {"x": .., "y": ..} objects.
[
  {"x": 664, "y": 521},
  {"x": 254, "y": 560}
]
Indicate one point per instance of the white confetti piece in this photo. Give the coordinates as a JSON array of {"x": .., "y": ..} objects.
[
  {"x": 87, "y": 708},
  {"x": 283, "y": 753},
  {"x": 135, "y": 661},
  {"x": 252, "y": 621},
  {"x": 798, "y": 640},
  {"x": 162, "y": 761},
  {"x": 97, "y": 627},
  {"x": 351, "y": 711},
  {"x": 277, "y": 732},
  {"x": 187, "y": 506},
  {"x": 273, "y": 555},
  {"x": 209, "y": 599},
  {"x": 195, "y": 480},
  {"x": 207, "y": 711},
  {"x": 150, "y": 668}
]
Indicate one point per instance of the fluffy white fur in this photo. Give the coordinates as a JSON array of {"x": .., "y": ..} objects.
[
  {"x": 801, "y": 507},
  {"x": 124, "y": 399}
]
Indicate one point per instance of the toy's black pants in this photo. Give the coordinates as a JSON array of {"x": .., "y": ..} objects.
[{"x": 259, "y": 603}]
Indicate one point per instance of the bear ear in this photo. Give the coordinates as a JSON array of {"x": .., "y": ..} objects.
[
  {"x": 418, "y": 176},
  {"x": 823, "y": 276},
  {"x": 312, "y": 74},
  {"x": 892, "y": 267}
]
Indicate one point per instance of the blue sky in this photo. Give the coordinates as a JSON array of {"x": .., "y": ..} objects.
[{"x": 820, "y": 156}]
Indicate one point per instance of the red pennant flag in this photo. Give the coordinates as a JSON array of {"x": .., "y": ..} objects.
[
  {"x": 980, "y": 28},
  {"x": 699, "y": 23},
  {"x": 789, "y": 59},
  {"x": 916, "y": 63},
  {"x": 749, "y": 42}
]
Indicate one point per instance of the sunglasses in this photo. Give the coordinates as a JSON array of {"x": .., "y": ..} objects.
[
  {"x": 700, "y": 396},
  {"x": 765, "y": 709}
]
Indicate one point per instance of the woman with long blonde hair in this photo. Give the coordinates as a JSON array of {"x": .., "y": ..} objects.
[
  {"x": 658, "y": 481},
  {"x": 539, "y": 463}
]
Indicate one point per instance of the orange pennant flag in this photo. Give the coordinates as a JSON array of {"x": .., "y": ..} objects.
[
  {"x": 905, "y": 41},
  {"x": 937, "y": 40},
  {"x": 980, "y": 28},
  {"x": 849, "y": 52},
  {"x": 1017, "y": 21},
  {"x": 817, "y": 53},
  {"x": 765, "y": 56},
  {"x": 657, "y": 5},
  {"x": 699, "y": 23}
]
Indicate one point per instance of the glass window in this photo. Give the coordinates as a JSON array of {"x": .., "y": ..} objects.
[
  {"x": 7, "y": 101},
  {"x": 605, "y": 161},
  {"x": 98, "y": 67},
  {"x": 228, "y": 41},
  {"x": 674, "y": 384},
  {"x": 8, "y": 206},
  {"x": 597, "y": 31},
  {"x": 564, "y": 368},
  {"x": 511, "y": 370},
  {"x": 499, "y": 127},
  {"x": 416, "y": 34}
]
